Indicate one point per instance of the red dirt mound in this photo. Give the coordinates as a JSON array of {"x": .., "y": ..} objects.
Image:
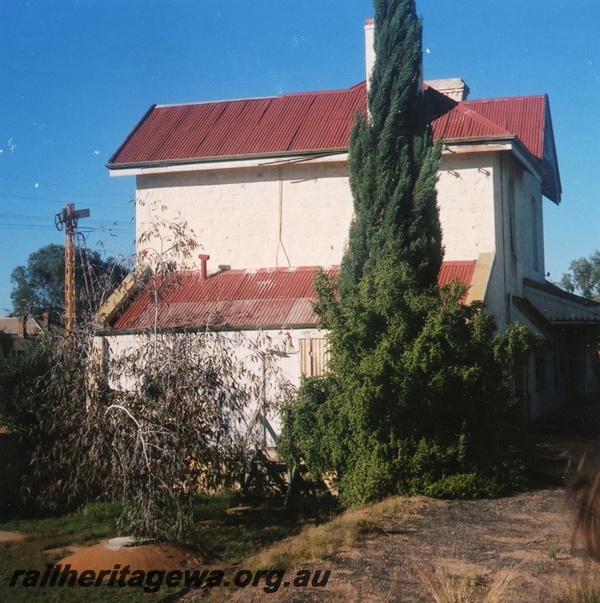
[{"x": 145, "y": 556}]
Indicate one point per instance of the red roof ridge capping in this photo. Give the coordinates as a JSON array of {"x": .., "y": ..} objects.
[
  {"x": 521, "y": 97},
  {"x": 268, "y": 270},
  {"x": 243, "y": 299},
  {"x": 354, "y": 88},
  {"x": 244, "y": 99},
  {"x": 464, "y": 108}
]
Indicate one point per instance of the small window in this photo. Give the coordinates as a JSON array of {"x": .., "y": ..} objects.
[{"x": 314, "y": 355}]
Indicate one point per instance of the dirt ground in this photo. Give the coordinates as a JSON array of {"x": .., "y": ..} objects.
[
  {"x": 526, "y": 537},
  {"x": 473, "y": 540}
]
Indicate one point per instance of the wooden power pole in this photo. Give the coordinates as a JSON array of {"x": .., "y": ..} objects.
[{"x": 67, "y": 219}]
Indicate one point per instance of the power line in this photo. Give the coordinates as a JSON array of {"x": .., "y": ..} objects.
[
  {"x": 24, "y": 221},
  {"x": 55, "y": 185},
  {"x": 101, "y": 228},
  {"x": 46, "y": 199}
]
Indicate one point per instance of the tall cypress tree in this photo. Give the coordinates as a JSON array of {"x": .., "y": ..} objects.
[
  {"x": 415, "y": 399},
  {"x": 392, "y": 161}
]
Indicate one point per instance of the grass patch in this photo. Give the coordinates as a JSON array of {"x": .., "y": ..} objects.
[
  {"x": 448, "y": 588},
  {"x": 319, "y": 541},
  {"x": 236, "y": 537},
  {"x": 46, "y": 541},
  {"x": 579, "y": 594},
  {"x": 231, "y": 537},
  {"x": 91, "y": 523}
]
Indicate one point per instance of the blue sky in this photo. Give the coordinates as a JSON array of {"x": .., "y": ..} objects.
[{"x": 77, "y": 75}]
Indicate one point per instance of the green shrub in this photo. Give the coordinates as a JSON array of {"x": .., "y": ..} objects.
[
  {"x": 425, "y": 407},
  {"x": 24, "y": 377}
]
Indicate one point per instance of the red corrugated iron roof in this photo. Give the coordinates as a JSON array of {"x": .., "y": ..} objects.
[
  {"x": 262, "y": 298},
  {"x": 521, "y": 116},
  {"x": 287, "y": 124},
  {"x": 461, "y": 271},
  {"x": 308, "y": 122}
]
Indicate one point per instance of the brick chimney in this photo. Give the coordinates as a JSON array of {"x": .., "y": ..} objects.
[
  {"x": 453, "y": 87},
  {"x": 369, "y": 48},
  {"x": 370, "y": 51}
]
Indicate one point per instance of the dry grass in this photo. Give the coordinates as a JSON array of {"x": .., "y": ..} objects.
[
  {"x": 317, "y": 542},
  {"x": 584, "y": 593},
  {"x": 447, "y": 588}
]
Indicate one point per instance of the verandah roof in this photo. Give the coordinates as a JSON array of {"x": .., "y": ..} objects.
[{"x": 241, "y": 299}]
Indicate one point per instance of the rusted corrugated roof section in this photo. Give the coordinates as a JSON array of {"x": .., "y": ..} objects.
[
  {"x": 460, "y": 270},
  {"x": 523, "y": 117},
  {"x": 263, "y": 298},
  {"x": 234, "y": 298},
  {"x": 287, "y": 124},
  {"x": 309, "y": 122},
  {"x": 463, "y": 122}
]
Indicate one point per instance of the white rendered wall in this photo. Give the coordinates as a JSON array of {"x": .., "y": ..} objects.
[
  {"x": 271, "y": 216},
  {"x": 289, "y": 364},
  {"x": 466, "y": 203},
  {"x": 298, "y": 214},
  {"x": 528, "y": 217}
]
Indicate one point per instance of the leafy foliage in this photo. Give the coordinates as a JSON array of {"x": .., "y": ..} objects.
[
  {"x": 40, "y": 285},
  {"x": 151, "y": 420},
  {"x": 187, "y": 420},
  {"x": 417, "y": 397},
  {"x": 424, "y": 408},
  {"x": 161, "y": 422},
  {"x": 24, "y": 378},
  {"x": 584, "y": 277},
  {"x": 392, "y": 162}
]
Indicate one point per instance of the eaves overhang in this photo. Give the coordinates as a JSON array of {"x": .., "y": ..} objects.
[
  {"x": 560, "y": 307},
  {"x": 109, "y": 332},
  {"x": 231, "y": 162},
  {"x": 534, "y": 316},
  {"x": 551, "y": 188},
  {"x": 494, "y": 144}
]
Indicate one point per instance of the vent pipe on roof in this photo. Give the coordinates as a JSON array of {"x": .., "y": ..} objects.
[{"x": 203, "y": 259}]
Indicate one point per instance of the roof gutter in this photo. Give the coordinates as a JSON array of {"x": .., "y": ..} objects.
[
  {"x": 258, "y": 160},
  {"x": 508, "y": 142},
  {"x": 108, "y": 332}
]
